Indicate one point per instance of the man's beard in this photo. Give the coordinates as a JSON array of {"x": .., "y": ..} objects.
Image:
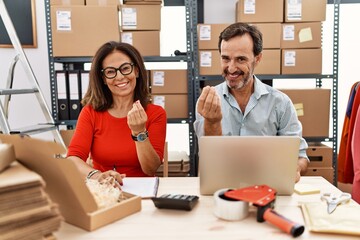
[{"x": 240, "y": 84}]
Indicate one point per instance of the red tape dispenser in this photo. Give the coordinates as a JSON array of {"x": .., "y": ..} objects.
[{"x": 263, "y": 197}]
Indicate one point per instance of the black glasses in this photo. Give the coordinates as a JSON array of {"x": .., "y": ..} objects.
[{"x": 111, "y": 72}]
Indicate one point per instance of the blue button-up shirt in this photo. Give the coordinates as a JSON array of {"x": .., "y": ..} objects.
[{"x": 269, "y": 112}]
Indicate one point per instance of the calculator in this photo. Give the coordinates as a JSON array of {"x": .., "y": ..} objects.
[{"x": 175, "y": 201}]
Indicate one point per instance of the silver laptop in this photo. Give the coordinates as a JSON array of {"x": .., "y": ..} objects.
[{"x": 240, "y": 161}]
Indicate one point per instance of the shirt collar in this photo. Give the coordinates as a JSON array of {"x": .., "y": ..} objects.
[{"x": 259, "y": 88}]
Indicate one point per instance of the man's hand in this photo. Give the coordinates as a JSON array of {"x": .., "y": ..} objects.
[
  {"x": 209, "y": 105},
  {"x": 301, "y": 168}
]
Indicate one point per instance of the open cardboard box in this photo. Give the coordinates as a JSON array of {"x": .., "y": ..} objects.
[{"x": 65, "y": 186}]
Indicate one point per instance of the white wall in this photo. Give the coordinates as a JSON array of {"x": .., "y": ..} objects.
[{"x": 24, "y": 110}]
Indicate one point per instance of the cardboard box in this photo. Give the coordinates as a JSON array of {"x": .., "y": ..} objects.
[
  {"x": 271, "y": 34},
  {"x": 175, "y": 105},
  {"x": 169, "y": 81},
  {"x": 319, "y": 155},
  {"x": 327, "y": 173},
  {"x": 103, "y": 2},
  {"x": 67, "y": 2},
  {"x": 66, "y": 186},
  {"x": 210, "y": 62},
  {"x": 305, "y": 11},
  {"x": 147, "y": 42},
  {"x": 208, "y": 35},
  {"x": 143, "y": 2},
  {"x": 81, "y": 30},
  {"x": 140, "y": 17},
  {"x": 260, "y": 11},
  {"x": 178, "y": 164},
  {"x": 313, "y": 110},
  {"x": 270, "y": 62},
  {"x": 301, "y": 61},
  {"x": 7, "y": 155},
  {"x": 301, "y": 35}
]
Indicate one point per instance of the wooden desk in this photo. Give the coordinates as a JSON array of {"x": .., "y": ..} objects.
[{"x": 201, "y": 223}]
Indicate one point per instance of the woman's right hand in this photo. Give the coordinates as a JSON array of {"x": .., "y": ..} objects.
[{"x": 110, "y": 177}]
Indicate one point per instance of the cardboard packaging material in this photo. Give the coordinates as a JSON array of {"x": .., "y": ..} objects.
[
  {"x": 301, "y": 61},
  {"x": 313, "y": 110},
  {"x": 169, "y": 81},
  {"x": 305, "y": 11},
  {"x": 264, "y": 11},
  {"x": 147, "y": 42},
  {"x": 208, "y": 35},
  {"x": 140, "y": 17},
  {"x": 81, "y": 30},
  {"x": 67, "y": 2},
  {"x": 301, "y": 35},
  {"x": 270, "y": 62},
  {"x": 271, "y": 34},
  {"x": 319, "y": 155},
  {"x": 178, "y": 164},
  {"x": 143, "y": 2},
  {"x": 209, "y": 61},
  {"x": 7, "y": 155},
  {"x": 175, "y": 105},
  {"x": 327, "y": 173},
  {"x": 103, "y": 2},
  {"x": 66, "y": 187}
]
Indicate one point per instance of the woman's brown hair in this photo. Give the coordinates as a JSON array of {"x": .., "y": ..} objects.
[{"x": 98, "y": 94}]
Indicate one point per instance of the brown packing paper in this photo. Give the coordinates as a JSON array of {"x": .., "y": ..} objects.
[
  {"x": 344, "y": 220},
  {"x": 66, "y": 187},
  {"x": 18, "y": 177},
  {"x": 7, "y": 155}
]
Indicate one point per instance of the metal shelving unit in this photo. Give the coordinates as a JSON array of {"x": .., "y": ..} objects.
[
  {"x": 69, "y": 62},
  {"x": 195, "y": 79},
  {"x": 317, "y": 77}
]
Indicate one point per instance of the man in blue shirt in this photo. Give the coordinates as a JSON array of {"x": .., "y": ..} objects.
[{"x": 242, "y": 104}]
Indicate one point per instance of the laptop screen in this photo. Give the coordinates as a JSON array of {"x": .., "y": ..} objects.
[{"x": 241, "y": 161}]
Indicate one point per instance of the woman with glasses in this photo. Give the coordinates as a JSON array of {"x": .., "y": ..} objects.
[{"x": 123, "y": 133}]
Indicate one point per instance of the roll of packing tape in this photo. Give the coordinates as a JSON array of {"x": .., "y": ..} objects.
[{"x": 229, "y": 209}]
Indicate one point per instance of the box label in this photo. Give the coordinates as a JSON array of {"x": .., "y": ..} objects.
[
  {"x": 249, "y": 6},
  {"x": 294, "y": 8},
  {"x": 290, "y": 57},
  {"x": 288, "y": 32},
  {"x": 63, "y": 20},
  {"x": 159, "y": 78},
  {"x": 205, "y": 59},
  {"x": 127, "y": 37},
  {"x": 160, "y": 101},
  {"x": 128, "y": 18},
  {"x": 205, "y": 33},
  {"x": 305, "y": 35},
  {"x": 299, "y": 107}
]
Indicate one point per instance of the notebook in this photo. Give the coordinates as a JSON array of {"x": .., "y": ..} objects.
[{"x": 240, "y": 161}]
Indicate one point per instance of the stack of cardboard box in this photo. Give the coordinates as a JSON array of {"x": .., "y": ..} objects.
[
  {"x": 80, "y": 27},
  {"x": 140, "y": 25},
  {"x": 291, "y": 36},
  {"x": 169, "y": 89},
  {"x": 178, "y": 164},
  {"x": 26, "y": 211}
]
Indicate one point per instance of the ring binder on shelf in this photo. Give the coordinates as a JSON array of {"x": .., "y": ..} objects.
[
  {"x": 74, "y": 94},
  {"x": 62, "y": 90}
]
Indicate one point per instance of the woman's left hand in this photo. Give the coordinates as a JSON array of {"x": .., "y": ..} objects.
[{"x": 137, "y": 118}]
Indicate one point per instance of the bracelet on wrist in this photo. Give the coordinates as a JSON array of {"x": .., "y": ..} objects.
[{"x": 92, "y": 173}]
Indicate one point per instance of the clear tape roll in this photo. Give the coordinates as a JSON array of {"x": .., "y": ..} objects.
[{"x": 229, "y": 209}]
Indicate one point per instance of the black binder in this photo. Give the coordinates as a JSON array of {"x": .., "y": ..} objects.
[
  {"x": 62, "y": 95},
  {"x": 74, "y": 93}
]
